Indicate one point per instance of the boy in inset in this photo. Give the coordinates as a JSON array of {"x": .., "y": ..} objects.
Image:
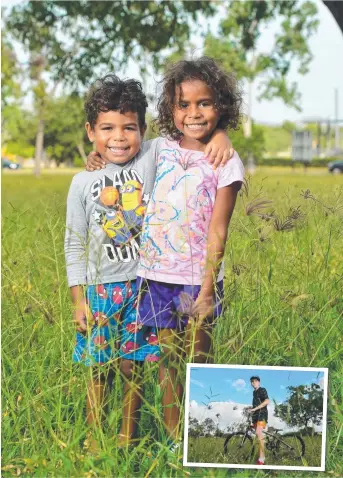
[{"x": 259, "y": 414}]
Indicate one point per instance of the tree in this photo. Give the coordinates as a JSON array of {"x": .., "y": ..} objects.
[
  {"x": 236, "y": 46},
  {"x": 19, "y": 131},
  {"x": 209, "y": 426},
  {"x": 10, "y": 74},
  {"x": 253, "y": 145},
  {"x": 195, "y": 429},
  {"x": 74, "y": 42},
  {"x": 102, "y": 36},
  {"x": 10, "y": 88},
  {"x": 65, "y": 135},
  {"x": 304, "y": 406},
  {"x": 336, "y": 8},
  {"x": 237, "y": 43}
]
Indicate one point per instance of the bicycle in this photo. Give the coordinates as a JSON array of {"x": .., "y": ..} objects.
[{"x": 288, "y": 447}]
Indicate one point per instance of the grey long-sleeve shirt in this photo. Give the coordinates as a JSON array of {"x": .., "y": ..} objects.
[{"x": 104, "y": 218}]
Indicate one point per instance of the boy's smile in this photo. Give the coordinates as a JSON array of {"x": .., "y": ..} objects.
[
  {"x": 117, "y": 136},
  {"x": 195, "y": 114}
]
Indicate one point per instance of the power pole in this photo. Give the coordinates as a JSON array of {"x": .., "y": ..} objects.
[
  {"x": 337, "y": 142},
  {"x": 247, "y": 125}
]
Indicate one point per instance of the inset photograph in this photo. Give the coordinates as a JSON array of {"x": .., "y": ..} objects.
[{"x": 255, "y": 417}]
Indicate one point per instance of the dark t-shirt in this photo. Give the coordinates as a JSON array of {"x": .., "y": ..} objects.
[{"x": 259, "y": 396}]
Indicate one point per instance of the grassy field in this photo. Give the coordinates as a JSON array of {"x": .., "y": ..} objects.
[
  {"x": 284, "y": 281},
  {"x": 211, "y": 450}
]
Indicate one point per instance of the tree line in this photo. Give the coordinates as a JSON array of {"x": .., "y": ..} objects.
[
  {"x": 303, "y": 409},
  {"x": 69, "y": 44}
]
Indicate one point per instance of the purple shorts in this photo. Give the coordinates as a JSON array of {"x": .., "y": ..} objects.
[{"x": 168, "y": 306}]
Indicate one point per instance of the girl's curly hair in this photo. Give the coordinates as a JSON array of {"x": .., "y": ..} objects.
[
  {"x": 226, "y": 92},
  {"x": 110, "y": 93}
]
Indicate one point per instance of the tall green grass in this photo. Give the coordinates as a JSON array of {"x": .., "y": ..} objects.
[
  {"x": 211, "y": 450},
  {"x": 283, "y": 290}
]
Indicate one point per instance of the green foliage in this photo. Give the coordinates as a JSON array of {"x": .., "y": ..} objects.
[
  {"x": 209, "y": 426},
  {"x": 288, "y": 162},
  {"x": 151, "y": 132},
  {"x": 277, "y": 138},
  {"x": 93, "y": 31},
  {"x": 254, "y": 145},
  {"x": 210, "y": 450},
  {"x": 239, "y": 32},
  {"x": 291, "y": 317},
  {"x": 10, "y": 74},
  {"x": 65, "y": 136},
  {"x": 19, "y": 129},
  {"x": 65, "y": 133},
  {"x": 304, "y": 406}
]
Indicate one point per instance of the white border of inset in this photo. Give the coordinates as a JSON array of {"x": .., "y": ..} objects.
[{"x": 259, "y": 467}]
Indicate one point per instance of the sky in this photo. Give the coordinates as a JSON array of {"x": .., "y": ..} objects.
[
  {"x": 316, "y": 87},
  {"x": 228, "y": 391}
]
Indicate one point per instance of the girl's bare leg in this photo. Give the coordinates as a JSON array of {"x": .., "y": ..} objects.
[
  {"x": 171, "y": 343},
  {"x": 199, "y": 343}
]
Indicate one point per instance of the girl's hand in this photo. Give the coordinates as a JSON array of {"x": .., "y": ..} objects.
[
  {"x": 94, "y": 161},
  {"x": 219, "y": 149},
  {"x": 83, "y": 316},
  {"x": 203, "y": 308}
]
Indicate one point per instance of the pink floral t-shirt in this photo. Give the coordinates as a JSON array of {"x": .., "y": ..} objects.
[{"x": 175, "y": 228}]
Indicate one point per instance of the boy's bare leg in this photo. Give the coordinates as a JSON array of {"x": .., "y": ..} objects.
[
  {"x": 132, "y": 373},
  {"x": 260, "y": 436},
  {"x": 171, "y": 343},
  {"x": 96, "y": 392},
  {"x": 199, "y": 343}
]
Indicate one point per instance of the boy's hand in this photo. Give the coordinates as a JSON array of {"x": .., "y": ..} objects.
[
  {"x": 83, "y": 316},
  {"x": 94, "y": 161},
  {"x": 219, "y": 149}
]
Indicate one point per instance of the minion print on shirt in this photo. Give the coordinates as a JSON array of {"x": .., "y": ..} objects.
[{"x": 120, "y": 212}]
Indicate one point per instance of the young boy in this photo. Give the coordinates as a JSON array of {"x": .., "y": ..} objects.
[
  {"x": 105, "y": 209},
  {"x": 104, "y": 215}
]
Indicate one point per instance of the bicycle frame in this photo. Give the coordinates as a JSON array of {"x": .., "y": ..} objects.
[{"x": 273, "y": 438}]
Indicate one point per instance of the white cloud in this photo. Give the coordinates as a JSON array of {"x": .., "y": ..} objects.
[
  {"x": 193, "y": 404},
  {"x": 196, "y": 382},
  {"x": 239, "y": 384},
  {"x": 231, "y": 413}
]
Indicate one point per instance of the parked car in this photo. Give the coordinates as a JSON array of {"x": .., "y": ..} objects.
[
  {"x": 7, "y": 164},
  {"x": 336, "y": 167}
]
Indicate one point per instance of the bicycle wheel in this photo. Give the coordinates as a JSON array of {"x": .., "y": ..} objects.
[
  {"x": 290, "y": 448},
  {"x": 239, "y": 448}
]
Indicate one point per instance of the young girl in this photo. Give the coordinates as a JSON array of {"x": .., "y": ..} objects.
[{"x": 181, "y": 271}]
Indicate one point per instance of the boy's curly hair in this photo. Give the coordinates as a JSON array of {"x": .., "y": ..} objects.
[
  {"x": 110, "y": 93},
  {"x": 226, "y": 92}
]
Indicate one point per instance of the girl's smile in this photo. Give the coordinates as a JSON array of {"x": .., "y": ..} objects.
[{"x": 195, "y": 114}]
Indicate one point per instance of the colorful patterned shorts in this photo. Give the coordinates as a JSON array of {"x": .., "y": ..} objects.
[
  {"x": 115, "y": 323},
  {"x": 165, "y": 305}
]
